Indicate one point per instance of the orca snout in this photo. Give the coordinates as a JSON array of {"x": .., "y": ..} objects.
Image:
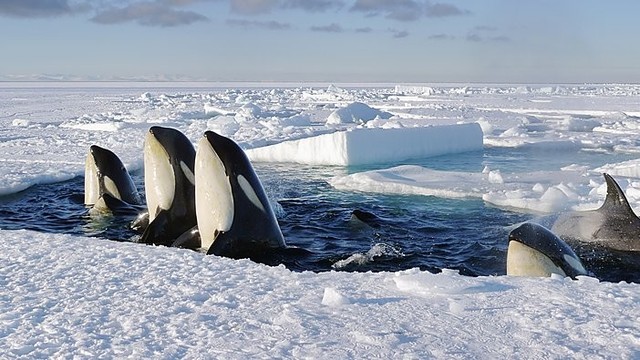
[
  {"x": 528, "y": 233},
  {"x": 214, "y": 138}
]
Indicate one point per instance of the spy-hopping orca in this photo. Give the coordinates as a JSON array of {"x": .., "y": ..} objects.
[
  {"x": 234, "y": 215},
  {"x": 169, "y": 188},
  {"x": 614, "y": 225},
  {"x": 535, "y": 251},
  {"x": 107, "y": 184}
]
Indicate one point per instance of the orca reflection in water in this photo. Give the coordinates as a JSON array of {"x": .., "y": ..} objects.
[
  {"x": 614, "y": 225},
  {"x": 108, "y": 187},
  {"x": 535, "y": 251},
  {"x": 234, "y": 215},
  {"x": 169, "y": 188}
]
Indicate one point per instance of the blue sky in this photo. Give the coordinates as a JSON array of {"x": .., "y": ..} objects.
[{"x": 532, "y": 41}]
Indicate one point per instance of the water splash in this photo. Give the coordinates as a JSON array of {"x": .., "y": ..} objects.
[{"x": 378, "y": 250}]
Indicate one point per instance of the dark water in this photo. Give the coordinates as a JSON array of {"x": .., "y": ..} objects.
[{"x": 408, "y": 231}]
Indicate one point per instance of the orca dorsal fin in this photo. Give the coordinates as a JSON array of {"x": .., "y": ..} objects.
[{"x": 615, "y": 197}]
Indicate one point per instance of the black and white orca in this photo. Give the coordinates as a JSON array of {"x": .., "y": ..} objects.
[
  {"x": 169, "y": 189},
  {"x": 235, "y": 218},
  {"x": 535, "y": 251},
  {"x": 108, "y": 187},
  {"x": 614, "y": 225}
]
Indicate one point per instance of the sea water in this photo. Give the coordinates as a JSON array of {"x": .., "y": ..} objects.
[{"x": 318, "y": 222}]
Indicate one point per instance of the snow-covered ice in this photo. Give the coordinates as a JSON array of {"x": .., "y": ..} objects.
[
  {"x": 356, "y": 112},
  {"x": 371, "y": 146},
  {"x": 65, "y": 295},
  {"x": 571, "y": 188},
  {"x": 99, "y": 299}
]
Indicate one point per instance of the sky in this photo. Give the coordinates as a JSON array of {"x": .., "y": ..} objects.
[{"x": 409, "y": 41}]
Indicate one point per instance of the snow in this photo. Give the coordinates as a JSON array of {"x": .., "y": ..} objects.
[
  {"x": 355, "y": 112},
  {"x": 67, "y": 295},
  {"x": 101, "y": 299}
]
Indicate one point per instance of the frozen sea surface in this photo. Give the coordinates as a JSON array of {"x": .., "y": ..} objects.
[{"x": 67, "y": 289}]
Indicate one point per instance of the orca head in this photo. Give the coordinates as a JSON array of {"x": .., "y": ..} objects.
[
  {"x": 168, "y": 168},
  {"x": 105, "y": 174},
  {"x": 231, "y": 200},
  {"x": 238, "y": 170},
  {"x": 535, "y": 251},
  {"x": 215, "y": 207}
]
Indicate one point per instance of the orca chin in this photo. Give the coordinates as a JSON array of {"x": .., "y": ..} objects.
[
  {"x": 106, "y": 176},
  {"x": 535, "y": 251},
  {"x": 169, "y": 187},
  {"x": 235, "y": 217}
]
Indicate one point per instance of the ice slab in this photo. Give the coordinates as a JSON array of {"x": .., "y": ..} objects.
[
  {"x": 571, "y": 188},
  {"x": 363, "y": 146},
  {"x": 630, "y": 168}
]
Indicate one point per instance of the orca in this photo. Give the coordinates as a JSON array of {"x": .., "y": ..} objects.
[
  {"x": 235, "y": 218},
  {"x": 169, "y": 187},
  {"x": 108, "y": 187},
  {"x": 535, "y": 251},
  {"x": 614, "y": 225},
  {"x": 362, "y": 217}
]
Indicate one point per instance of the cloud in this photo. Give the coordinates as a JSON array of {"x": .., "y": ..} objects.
[
  {"x": 256, "y": 7},
  {"x": 402, "y": 10},
  {"x": 148, "y": 14},
  {"x": 268, "y": 25},
  {"x": 485, "y": 28},
  {"x": 253, "y": 7},
  {"x": 364, "y": 30},
  {"x": 406, "y": 10},
  {"x": 439, "y": 10},
  {"x": 441, "y": 37},
  {"x": 475, "y": 37},
  {"x": 184, "y": 2},
  {"x": 333, "y": 28},
  {"x": 485, "y": 33},
  {"x": 38, "y": 8},
  {"x": 312, "y": 5},
  {"x": 400, "y": 34},
  {"x": 501, "y": 38}
]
